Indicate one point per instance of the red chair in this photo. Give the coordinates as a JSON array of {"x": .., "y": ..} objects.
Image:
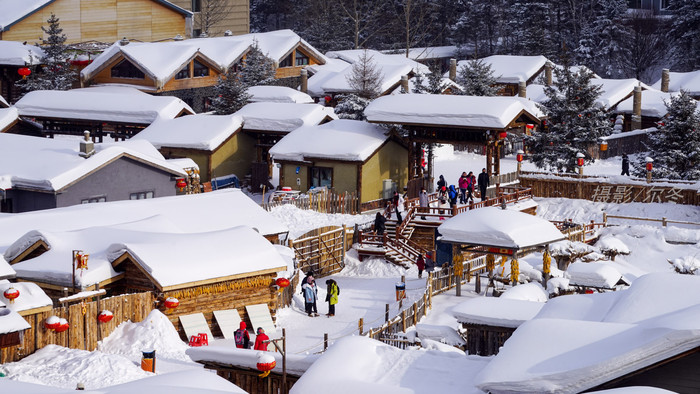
[
  {"x": 195, "y": 340},
  {"x": 203, "y": 339}
]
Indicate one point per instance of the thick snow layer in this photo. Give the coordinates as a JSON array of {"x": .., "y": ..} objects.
[
  {"x": 30, "y": 296},
  {"x": 13, "y": 11},
  {"x": 688, "y": 81},
  {"x": 497, "y": 227},
  {"x": 390, "y": 75},
  {"x": 612, "y": 245},
  {"x": 202, "y": 132},
  {"x": 6, "y": 270},
  {"x": 301, "y": 221},
  {"x": 653, "y": 103},
  {"x": 319, "y": 74},
  {"x": 593, "y": 274},
  {"x": 283, "y": 117},
  {"x": 61, "y": 163},
  {"x": 512, "y": 69},
  {"x": 450, "y": 110},
  {"x": 597, "y": 338},
  {"x": 370, "y": 366},
  {"x": 424, "y": 53},
  {"x": 8, "y": 117},
  {"x": 346, "y": 140},
  {"x": 296, "y": 364},
  {"x": 688, "y": 264},
  {"x": 124, "y": 104},
  {"x": 11, "y": 321},
  {"x": 278, "y": 94},
  {"x": 495, "y": 311},
  {"x": 615, "y": 90},
  {"x": 528, "y": 292}
]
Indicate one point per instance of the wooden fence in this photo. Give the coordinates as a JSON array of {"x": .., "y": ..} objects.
[
  {"x": 248, "y": 379},
  {"x": 664, "y": 221},
  {"x": 324, "y": 201},
  {"x": 85, "y": 330},
  {"x": 322, "y": 250},
  {"x": 599, "y": 189}
]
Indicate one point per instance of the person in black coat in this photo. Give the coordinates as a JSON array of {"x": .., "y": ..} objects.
[
  {"x": 483, "y": 182},
  {"x": 625, "y": 165},
  {"x": 441, "y": 183},
  {"x": 379, "y": 226}
]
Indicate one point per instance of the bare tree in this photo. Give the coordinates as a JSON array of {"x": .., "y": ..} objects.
[
  {"x": 365, "y": 19},
  {"x": 648, "y": 46},
  {"x": 414, "y": 18},
  {"x": 211, "y": 13},
  {"x": 365, "y": 78}
]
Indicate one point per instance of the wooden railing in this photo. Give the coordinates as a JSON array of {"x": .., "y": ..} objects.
[
  {"x": 322, "y": 250},
  {"x": 325, "y": 201},
  {"x": 664, "y": 221}
]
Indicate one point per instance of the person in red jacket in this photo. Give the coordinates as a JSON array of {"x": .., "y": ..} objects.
[
  {"x": 420, "y": 263},
  {"x": 260, "y": 339},
  {"x": 241, "y": 336}
]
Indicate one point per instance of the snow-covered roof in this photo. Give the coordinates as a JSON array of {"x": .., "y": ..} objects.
[
  {"x": 283, "y": 117},
  {"x": 596, "y": 338},
  {"x": 445, "y": 83},
  {"x": 11, "y": 321},
  {"x": 203, "y": 132},
  {"x": 107, "y": 104},
  {"x": 390, "y": 75},
  {"x": 426, "y": 53},
  {"x": 8, "y": 117},
  {"x": 31, "y": 296},
  {"x": 13, "y": 53},
  {"x": 596, "y": 274},
  {"x": 297, "y": 364},
  {"x": 499, "y": 312},
  {"x": 320, "y": 73},
  {"x": 615, "y": 90},
  {"x": 511, "y": 68},
  {"x": 688, "y": 81},
  {"x": 278, "y": 94},
  {"x": 6, "y": 270},
  {"x": 653, "y": 103},
  {"x": 450, "y": 110},
  {"x": 347, "y": 140},
  {"x": 218, "y": 210},
  {"x": 3, "y": 102},
  {"x": 61, "y": 164},
  {"x": 491, "y": 226}
]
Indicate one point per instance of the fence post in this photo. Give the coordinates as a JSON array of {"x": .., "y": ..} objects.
[
  {"x": 403, "y": 320},
  {"x": 415, "y": 313},
  {"x": 360, "y": 325},
  {"x": 663, "y": 221},
  {"x": 477, "y": 283},
  {"x": 325, "y": 341},
  {"x": 386, "y": 313}
]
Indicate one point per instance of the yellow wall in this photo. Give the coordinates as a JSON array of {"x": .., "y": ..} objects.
[
  {"x": 234, "y": 156},
  {"x": 237, "y": 18},
  {"x": 344, "y": 175},
  {"x": 289, "y": 176},
  {"x": 390, "y": 162},
  {"x": 102, "y": 20}
]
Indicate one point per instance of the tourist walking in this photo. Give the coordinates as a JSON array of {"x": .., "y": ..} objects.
[
  {"x": 463, "y": 183},
  {"x": 483, "y": 183},
  {"x": 260, "y": 339},
  {"x": 310, "y": 296},
  {"x": 423, "y": 202},
  {"x": 332, "y": 293},
  {"x": 471, "y": 180},
  {"x": 420, "y": 263},
  {"x": 625, "y": 165},
  {"x": 241, "y": 336},
  {"x": 379, "y": 225}
]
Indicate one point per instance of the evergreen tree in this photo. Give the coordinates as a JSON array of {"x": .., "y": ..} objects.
[
  {"x": 601, "y": 46},
  {"x": 574, "y": 121},
  {"x": 477, "y": 79},
  {"x": 532, "y": 30},
  {"x": 675, "y": 147},
  {"x": 365, "y": 78},
  {"x": 55, "y": 72},
  {"x": 257, "y": 69},
  {"x": 351, "y": 106},
  {"x": 429, "y": 84},
  {"x": 685, "y": 30},
  {"x": 230, "y": 94}
]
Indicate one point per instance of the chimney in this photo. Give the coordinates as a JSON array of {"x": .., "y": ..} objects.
[
  {"x": 637, "y": 108},
  {"x": 124, "y": 41},
  {"x": 453, "y": 70},
  {"x": 548, "y": 73},
  {"x": 522, "y": 89},
  {"x": 665, "y": 80},
  {"x": 404, "y": 83},
  {"x": 304, "y": 81},
  {"x": 87, "y": 147},
  {"x": 228, "y": 33}
]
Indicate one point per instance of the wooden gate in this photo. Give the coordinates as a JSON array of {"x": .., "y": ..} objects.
[{"x": 321, "y": 250}]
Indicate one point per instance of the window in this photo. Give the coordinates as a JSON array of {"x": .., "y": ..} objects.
[
  {"x": 184, "y": 73},
  {"x": 200, "y": 70},
  {"x": 321, "y": 176},
  {"x": 196, "y": 6},
  {"x": 287, "y": 62},
  {"x": 140, "y": 195},
  {"x": 301, "y": 59},
  {"x": 196, "y": 32},
  {"x": 127, "y": 70},
  {"x": 93, "y": 200}
]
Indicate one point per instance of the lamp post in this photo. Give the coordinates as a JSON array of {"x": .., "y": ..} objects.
[
  {"x": 519, "y": 157},
  {"x": 650, "y": 166},
  {"x": 580, "y": 162}
]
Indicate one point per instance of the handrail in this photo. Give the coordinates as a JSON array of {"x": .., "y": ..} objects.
[{"x": 663, "y": 220}]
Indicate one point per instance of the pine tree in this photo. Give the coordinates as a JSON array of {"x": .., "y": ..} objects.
[
  {"x": 365, "y": 78},
  {"x": 686, "y": 33},
  {"x": 574, "y": 121},
  {"x": 230, "y": 94},
  {"x": 601, "y": 45},
  {"x": 55, "y": 72},
  {"x": 430, "y": 83},
  {"x": 675, "y": 147},
  {"x": 257, "y": 69},
  {"x": 351, "y": 106},
  {"x": 477, "y": 79}
]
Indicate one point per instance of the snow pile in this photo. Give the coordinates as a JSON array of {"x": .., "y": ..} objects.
[
  {"x": 283, "y": 117},
  {"x": 375, "y": 267},
  {"x": 612, "y": 246},
  {"x": 278, "y": 94},
  {"x": 13, "y": 53},
  {"x": 528, "y": 292},
  {"x": 593, "y": 274},
  {"x": 11, "y": 321},
  {"x": 201, "y": 131},
  {"x": 498, "y": 312},
  {"x": 30, "y": 296},
  {"x": 155, "y": 332},
  {"x": 686, "y": 265},
  {"x": 301, "y": 221}
]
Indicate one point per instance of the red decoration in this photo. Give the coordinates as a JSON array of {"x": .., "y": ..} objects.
[
  {"x": 579, "y": 161},
  {"x": 201, "y": 339},
  {"x": 11, "y": 294},
  {"x": 24, "y": 72},
  {"x": 63, "y": 326},
  {"x": 181, "y": 183},
  {"x": 519, "y": 157},
  {"x": 589, "y": 291},
  {"x": 105, "y": 316},
  {"x": 81, "y": 260},
  {"x": 171, "y": 302},
  {"x": 328, "y": 99},
  {"x": 282, "y": 282},
  {"x": 52, "y": 322},
  {"x": 650, "y": 166},
  {"x": 266, "y": 363},
  {"x": 502, "y": 135}
]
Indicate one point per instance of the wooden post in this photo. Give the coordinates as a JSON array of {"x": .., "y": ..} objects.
[
  {"x": 605, "y": 219},
  {"x": 284, "y": 360},
  {"x": 415, "y": 313},
  {"x": 325, "y": 341},
  {"x": 386, "y": 314},
  {"x": 98, "y": 326},
  {"x": 342, "y": 260},
  {"x": 663, "y": 221},
  {"x": 477, "y": 284},
  {"x": 403, "y": 320}
]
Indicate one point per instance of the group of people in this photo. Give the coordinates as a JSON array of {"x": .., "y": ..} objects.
[
  {"x": 395, "y": 205},
  {"x": 426, "y": 263},
  {"x": 465, "y": 184},
  {"x": 310, "y": 292},
  {"x": 242, "y": 338}
]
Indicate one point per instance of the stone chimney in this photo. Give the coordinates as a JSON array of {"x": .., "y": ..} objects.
[
  {"x": 522, "y": 89},
  {"x": 404, "y": 83},
  {"x": 637, "y": 108},
  {"x": 665, "y": 79},
  {"x": 548, "y": 73},
  {"x": 87, "y": 147},
  {"x": 453, "y": 70},
  {"x": 304, "y": 81}
]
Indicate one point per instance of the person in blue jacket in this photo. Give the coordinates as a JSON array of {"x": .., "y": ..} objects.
[{"x": 310, "y": 296}]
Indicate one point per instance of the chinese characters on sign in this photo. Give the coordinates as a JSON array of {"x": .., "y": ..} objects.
[{"x": 624, "y": 194}]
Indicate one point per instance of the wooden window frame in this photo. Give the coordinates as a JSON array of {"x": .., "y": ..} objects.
[{"x": 125, "y": 61}]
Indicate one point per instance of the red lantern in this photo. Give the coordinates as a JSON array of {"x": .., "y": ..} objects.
[
  {"x": 81, "y": 260},
  {"x": 650, "y": 166},
  {"x": 105, "y": 316},
  {"x": 52, "y": 322},
  {"x": 171, "y": 302},
  {"x": 282, "y": 282},
  {"x": 589, "y": 291},
  {"x": 502, "y": 135},
  {"x": 579, "y": 161},
  {"x": 63, "y": 326},
  {"x": 11, "y": 294},
  {"x": 519, "y": 157},
  {"x": 327, "y": 99},
  {"x": 24, "y": 72},
  {"x": 180, "y": 183},
  {"x": 266, "y": 363}
]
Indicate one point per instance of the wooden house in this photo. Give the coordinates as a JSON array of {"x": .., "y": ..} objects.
[
  {"x": 13, "y": 56},
  {"x": 20, "y": 314},
  {"x": 101, "y": 21},
  {"x": 214, "y": 142},
  {"x": 232, "y": 16},
  {"x": 346, "y": 155},
  {"x": 677, "y": 81},
  {"x": 510, "y": 71}
]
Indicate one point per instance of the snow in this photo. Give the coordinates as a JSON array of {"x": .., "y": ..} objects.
[
  {"x": 13, "y": 11},
  {"x": 61, "y": 164},
  {"x": 8, "y": 117},
  {"x": 612, "y": 244},
  {"x": 283, "y": 117},
  {"x": 278, "y": 94},
  {"x": 498, "y": 227},
  {"x": 599, "y": 274},
  {"x": 512, "y": 69},
  {"x": 615, "y": 90},
  {"x": 528, "y": 292},
  {"x": 6, "y": 270},
  {"x": 688, "y": 81},
  {"x": 31, "y": 296},
  {"x": 425, "y": 53},
  {"x": 82, "y": 295},
  {"x": 301, "y": 221},
  {"x": 496, "y": 311},
  {"x": 450, "y": 110},
  {"x": 345, "y": 140},
  {"x": 202, "y": 132},
  {"x": 11, "y": 321},
  {"x": 106, "y": 104},
  {"x": 653, "y": 103},
  {"x": 13, "y": 53},
  {"x": 225, "y": 354},
  {"x": 689, "y": 264}
]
